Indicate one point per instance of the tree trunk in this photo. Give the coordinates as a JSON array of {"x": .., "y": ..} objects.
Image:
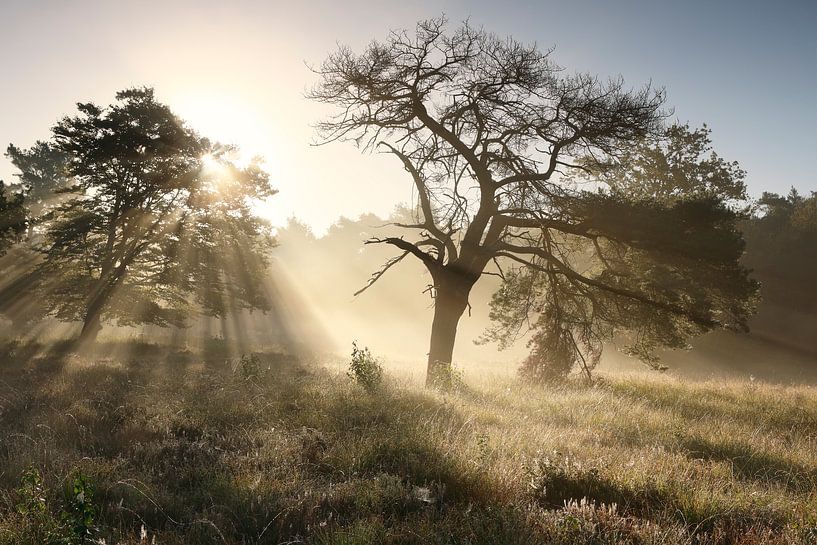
[
  {"x": 107, "y": 284},
  {"x": 90, "y": 328},
  {"x": 92, "y": 324},
  {"x": 450, "y": 302}
]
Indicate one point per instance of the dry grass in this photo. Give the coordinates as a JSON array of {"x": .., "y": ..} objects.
[{"x": 183, "y": 448}]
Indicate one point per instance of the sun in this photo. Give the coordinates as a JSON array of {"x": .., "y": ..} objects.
[
  {"x": 231, "y": 117},
  {"x": 227, "y": 119},
  {"x": 215, "y": 173},
  {"x": 210, "y": 162}
]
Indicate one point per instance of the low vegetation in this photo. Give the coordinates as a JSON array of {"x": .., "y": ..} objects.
[
  {"x": 145, "y": 444},
  {"x": 365, "y": 369}
]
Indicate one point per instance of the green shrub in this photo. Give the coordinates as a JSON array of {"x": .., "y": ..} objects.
[
  {"x": 37, "y": 523},
  {"x": 79, "y": 516},
  {"x": 76, "y": 522},
  {"x": 364, "y": 368},
  {"x": 31, "y": 493}
]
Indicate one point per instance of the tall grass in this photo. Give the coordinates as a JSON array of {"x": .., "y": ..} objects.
[{"x": 183, "y": 447}]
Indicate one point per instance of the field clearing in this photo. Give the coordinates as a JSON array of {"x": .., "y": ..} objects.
[{"x": 180, "y": 447}]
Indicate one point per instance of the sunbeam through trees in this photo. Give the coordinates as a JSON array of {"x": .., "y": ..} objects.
[
  {"x": 155, "y": 219},
  {"x": 319, "y": 273}
]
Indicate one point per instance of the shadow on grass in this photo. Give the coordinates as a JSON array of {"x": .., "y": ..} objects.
[
  {"x": 197, "y": 447},
  {"x": 750, "y": 408},
  {"x": 748, "y": 463},
  {"x": 752, "y": 465},
  {"x": 562, "y": 482}
]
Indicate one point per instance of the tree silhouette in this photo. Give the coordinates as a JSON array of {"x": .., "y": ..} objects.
[
  {"x": 782, "y": 239},
  {"x": 490, "y": 131},
  {"x": 42, "y": 174},
  {"x": 668, "y": 229},
  {"x": 157, "y": 221},
  {"x": 12, "y": 217}
]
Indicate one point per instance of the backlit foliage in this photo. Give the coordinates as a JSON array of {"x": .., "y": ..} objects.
[{"x": 146, "y": 233}]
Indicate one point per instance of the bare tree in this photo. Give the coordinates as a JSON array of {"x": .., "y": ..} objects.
[{"x": 490, "y": 131}]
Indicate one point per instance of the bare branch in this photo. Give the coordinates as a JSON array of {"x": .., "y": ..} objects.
[
  {"x": 376, "y": 275},
  {"x": 513, "y": 252},
  {"x": 429, "y": 260},
  {"x": 425, "y": 202}
]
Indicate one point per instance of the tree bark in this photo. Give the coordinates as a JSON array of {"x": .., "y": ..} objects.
[
  {"x": 109, "y": 281},
  {"x": 90, "y": 328},
  {"x": 92, "y": 323},
  {"x": 449, "y": 304}
]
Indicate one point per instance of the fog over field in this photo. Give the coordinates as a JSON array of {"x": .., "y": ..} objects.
[{"x": 408, "y": 273}]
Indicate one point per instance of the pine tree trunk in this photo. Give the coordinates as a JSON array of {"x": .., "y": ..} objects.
[
  {"x": 90, "y": 328},
  {"x": 450, "y": 303},
  {"x": 92, "y": 323}
]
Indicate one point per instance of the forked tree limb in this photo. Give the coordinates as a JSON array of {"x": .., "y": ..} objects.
[
  {"x": 425, "y": 202},
  {"x": 409, "y": 247}
]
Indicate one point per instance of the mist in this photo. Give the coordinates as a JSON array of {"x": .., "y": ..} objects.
[{"x": 368, "y": 274}]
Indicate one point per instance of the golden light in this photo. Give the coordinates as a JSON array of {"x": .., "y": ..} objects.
[
  {"x": 228, "y": 120},
  {"x": 210, "y": 163},
  {"x": 217, "y": 172}
]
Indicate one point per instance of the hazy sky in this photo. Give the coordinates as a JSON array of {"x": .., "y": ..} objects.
[{"x": 236, "y": 71}]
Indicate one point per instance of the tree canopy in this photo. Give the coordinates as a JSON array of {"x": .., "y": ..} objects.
[
  {"x": 157, "y": 221},
  {"x": 511, "y": 160},
  {"x": 42, "y": 172},
  {"x": 12, "y": 217},
  {"x": 783, "y": 249},
  {"x": 663, "y": 247}
]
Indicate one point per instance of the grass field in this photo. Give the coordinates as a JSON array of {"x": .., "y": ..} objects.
[{"x": 149, "y": 445}]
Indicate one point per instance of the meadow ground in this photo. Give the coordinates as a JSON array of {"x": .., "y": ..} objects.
[{"x": 153, "y": 445}]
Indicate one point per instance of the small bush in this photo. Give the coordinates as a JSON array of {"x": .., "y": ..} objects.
[
  {"x": 79, "y": 516},
  {"x": 31, "y": 493},
  {"x": 249, "y": 367},
  {"x": 556, "y": 352},
  {"x": 37, "y": 523},
  {"x": 76, "y": 522},
  {"x": 538, "y": 369},
  {"x": 558, "y": 478},
  {"x": 365, "y": 369}
]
